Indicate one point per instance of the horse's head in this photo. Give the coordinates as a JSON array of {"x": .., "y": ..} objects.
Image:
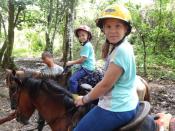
[
  {"x": 19, "y": 97},
  {"x": 12, "y": 86},
  {"x": 25, "y": 107}
]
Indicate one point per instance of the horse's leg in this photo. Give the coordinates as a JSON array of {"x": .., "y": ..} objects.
[{"x": 40, "y": 122}]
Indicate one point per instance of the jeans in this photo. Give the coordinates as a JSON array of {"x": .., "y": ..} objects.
[
  {"x": 99, "y": 119},
  {"x": 73, "y": 81}
]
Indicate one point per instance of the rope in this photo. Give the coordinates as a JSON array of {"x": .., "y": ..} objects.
[{"x": 10, "y": 117}]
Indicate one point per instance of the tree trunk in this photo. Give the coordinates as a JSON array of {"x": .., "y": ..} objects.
[
  {"x": 144, "y": 51},
  {"x": 7, "y": 60},
  {"x": 159, "y": 28},
  {"x": 144, "y": 56},
  {"x": 49, "y": 43},
  {"x": 4, "y": 46},
  {"x": 68, "y": 34},
  {"x": 2, "y": 51},
  {"x": 65, "y": 42},
  {"x": 68, "y": 38},
  {"x": 0, "y": 24},
  {"x": 56, "y": 21},
  {"x": 3, "y": 25}
]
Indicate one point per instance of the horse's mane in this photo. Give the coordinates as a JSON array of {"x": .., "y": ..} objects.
[
  {"x": 51, "y": 87},
  {"x": 56, "y": 88},
  {"x": 32, "y": 85}
]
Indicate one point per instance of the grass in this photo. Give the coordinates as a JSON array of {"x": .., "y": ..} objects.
[{"x": 23, "y": 52}]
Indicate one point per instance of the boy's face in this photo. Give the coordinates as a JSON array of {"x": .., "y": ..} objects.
[
  {"x": 47, "y": 60},
  {"x": 114, "y": 30},
  {"x": 82, "y": 36}
]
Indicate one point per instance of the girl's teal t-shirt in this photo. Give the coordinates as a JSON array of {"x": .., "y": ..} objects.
[
  {"x": 123, "y": 96},
  {"x": 88, "y": 52}
]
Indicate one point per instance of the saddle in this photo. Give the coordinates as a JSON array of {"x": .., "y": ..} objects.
[{"x": 141, "y": 114}]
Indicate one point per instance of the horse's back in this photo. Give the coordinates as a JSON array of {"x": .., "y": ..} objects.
[{"x": 143, "y": 89}]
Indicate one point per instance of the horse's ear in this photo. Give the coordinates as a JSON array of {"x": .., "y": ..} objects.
[{"x": 14, "y": 72}]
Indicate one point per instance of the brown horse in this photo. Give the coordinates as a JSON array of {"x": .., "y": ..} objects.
[
  {"x": 143, "y": 88},
  {"x": 38, "y": 94},
  {"x": 14, "y": 95}
]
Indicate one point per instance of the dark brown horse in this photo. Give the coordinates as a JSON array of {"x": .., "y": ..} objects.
[{"x": 38, "y": 94}]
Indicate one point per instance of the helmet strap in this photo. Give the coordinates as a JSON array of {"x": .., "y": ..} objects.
[
  {"x": 84, "y": 43},
  {"x": 116, "y": 44}
]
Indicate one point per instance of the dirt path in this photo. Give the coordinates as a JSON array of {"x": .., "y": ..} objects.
[
  {"x": 163, "y": 96},
  {"x": 162, "y": 99},
  {"x": 5, "y": 110}
]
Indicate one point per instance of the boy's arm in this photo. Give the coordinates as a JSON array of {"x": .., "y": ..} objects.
[
  {"x": 57, "y": 72},
  {"x": 78, "y": 61}
]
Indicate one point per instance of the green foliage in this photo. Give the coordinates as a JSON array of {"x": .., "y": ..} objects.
[
  {"x": 24, "y": 52},
  {"x": 20, "y": 52},
  {"x": 31, "y": 18},
  {"x": 37, "y": 43},
  {"x": 154, "y": 26}
]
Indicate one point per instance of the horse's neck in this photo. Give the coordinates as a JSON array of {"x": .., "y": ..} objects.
[
  {"x": 53, "y": 112},
  {"x": 64, "y": 124}
]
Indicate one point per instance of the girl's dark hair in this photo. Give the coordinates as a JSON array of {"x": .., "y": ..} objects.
[{"x": 105, "y": 49}]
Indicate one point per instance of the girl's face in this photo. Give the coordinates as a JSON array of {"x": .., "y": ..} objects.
[
  {"x": 82, "y": 36},
  {"x": 114, "y": 30}
]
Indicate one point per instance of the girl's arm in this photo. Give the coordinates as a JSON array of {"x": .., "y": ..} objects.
[
  {"x": 78, "y": 61},
  {"x": 112, "y": 74}
]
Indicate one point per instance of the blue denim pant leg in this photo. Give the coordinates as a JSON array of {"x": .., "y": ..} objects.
[
  {"x": 73, "y": 81},
  {"x": 99, "y": 119}
]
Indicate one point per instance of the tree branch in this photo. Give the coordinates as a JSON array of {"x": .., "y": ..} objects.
[
  {"x": 17, "y": 16},
  {"x": 3, "y": 24}
]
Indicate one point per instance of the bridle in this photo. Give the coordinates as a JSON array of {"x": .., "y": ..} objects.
[{"x": 17, "y": 88}]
